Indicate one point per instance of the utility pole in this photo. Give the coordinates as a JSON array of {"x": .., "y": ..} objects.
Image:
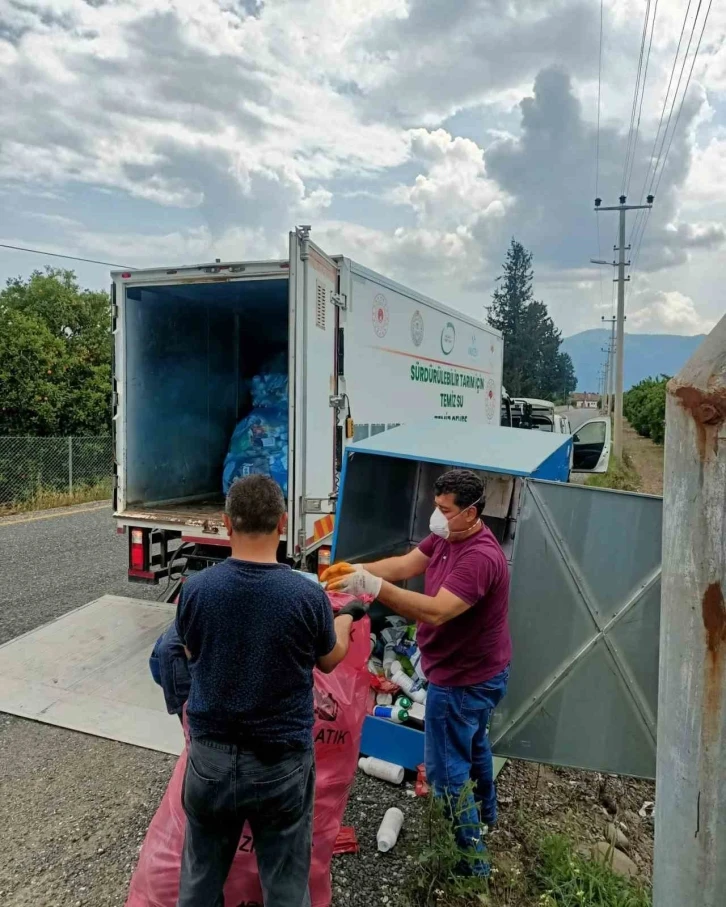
[
  {"x": 690, "y": 812},
  {"x": 621, "y": 264},
  {"x": 611, "y": 371},
  {"x": 608, "y": 374}
]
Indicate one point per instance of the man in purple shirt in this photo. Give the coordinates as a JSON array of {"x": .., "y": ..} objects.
[{"x": 463, "y": 635}]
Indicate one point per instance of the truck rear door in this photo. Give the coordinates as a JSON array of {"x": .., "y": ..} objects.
[{"x": 313, "y": 317}]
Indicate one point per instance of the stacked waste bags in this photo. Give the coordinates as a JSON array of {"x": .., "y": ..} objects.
[
  {"x": 340, "y": 707},
  {"x": 259, "y": 443}
]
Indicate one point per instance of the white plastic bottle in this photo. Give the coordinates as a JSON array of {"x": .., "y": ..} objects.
[
  {"x": 385, "y": 699},
  {"x": 384, "y": 771},
  {"x": 406, "y": 684},
  {"x": 389, "y": 829},
  {"x": 391, "y": 713}
]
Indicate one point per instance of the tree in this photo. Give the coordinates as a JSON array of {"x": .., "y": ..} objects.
[
  {"x": 55, "y": 356},
  {"x": 533, "y": 363}
]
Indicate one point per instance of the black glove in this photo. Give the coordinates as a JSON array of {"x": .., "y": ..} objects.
[{"x": 356, "y": 609}]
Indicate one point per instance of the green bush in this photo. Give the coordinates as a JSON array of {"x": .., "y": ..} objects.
[{"x": 644, "y": 408}]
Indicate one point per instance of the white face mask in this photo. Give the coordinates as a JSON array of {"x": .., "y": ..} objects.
[{"x": 439, "y": 525}]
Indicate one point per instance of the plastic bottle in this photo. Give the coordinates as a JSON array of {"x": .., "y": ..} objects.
[
  {"x": 389, "y": 829},
  {"x": 389, "y": 660},
  {"x": 386, "y": 699},
  {"x": 384, "y": 771},
  {"x": 391, "y": 713},
  {"x": 406, "y": 684},
  {"x": 403, "y": 702}
]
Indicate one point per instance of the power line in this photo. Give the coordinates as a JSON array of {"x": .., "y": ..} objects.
[
  {"x": 635, "y": 96},
  {"x": 90, "y": 261},
  {"x": 642, "y": 97},
  {"x": 675, "y": 97},
  {"x": 639, "y": 217},
  {"x": 685, "y": 90},
  {"x": 654, "y": 185}
]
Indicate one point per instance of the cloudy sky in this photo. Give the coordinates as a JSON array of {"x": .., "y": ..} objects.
[{"x": 416, "y": 136}]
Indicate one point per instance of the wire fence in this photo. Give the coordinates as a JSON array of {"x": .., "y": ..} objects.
[{"x": 47, "y": 472}]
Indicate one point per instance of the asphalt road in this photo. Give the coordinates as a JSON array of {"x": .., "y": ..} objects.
[{"x": 55, "y": 561}]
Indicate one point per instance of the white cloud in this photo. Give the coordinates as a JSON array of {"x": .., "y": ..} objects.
[
  {"x": 454, "y": 192},
  {"x": 707, "y": 176},
  {"x": 668, "y": 312},
  {"x": 169, "y": 128}
]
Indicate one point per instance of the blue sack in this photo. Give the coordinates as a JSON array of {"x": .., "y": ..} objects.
[
  {"x": 259, "y": 445},
  {"x": 269, "y": 390}
]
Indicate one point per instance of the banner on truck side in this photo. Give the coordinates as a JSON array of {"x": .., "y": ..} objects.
[{"x": 406, "y": 359}]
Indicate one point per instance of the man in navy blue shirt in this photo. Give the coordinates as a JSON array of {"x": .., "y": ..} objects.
[{"x": 253, "y": 630}]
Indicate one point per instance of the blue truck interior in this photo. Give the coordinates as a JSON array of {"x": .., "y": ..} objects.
[{"x": 189, "y": 353}]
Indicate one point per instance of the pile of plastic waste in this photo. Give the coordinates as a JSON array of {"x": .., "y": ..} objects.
[
  {"x": 397, "y": 678},
  {"x": 259, "y": 443}
]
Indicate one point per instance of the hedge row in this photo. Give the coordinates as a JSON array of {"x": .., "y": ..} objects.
[{"x": 644, "y": 408}]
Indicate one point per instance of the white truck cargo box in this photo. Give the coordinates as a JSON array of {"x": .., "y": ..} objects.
[{"x": 357, "y": 345}]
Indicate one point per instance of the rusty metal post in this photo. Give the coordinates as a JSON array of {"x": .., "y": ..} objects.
[{"x": 690, "y": 819}]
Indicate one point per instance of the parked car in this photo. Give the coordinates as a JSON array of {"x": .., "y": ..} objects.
[{"x": 591, "y": 441}]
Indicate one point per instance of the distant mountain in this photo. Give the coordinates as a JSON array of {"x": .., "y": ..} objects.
[{"x": 645, "y": 355}]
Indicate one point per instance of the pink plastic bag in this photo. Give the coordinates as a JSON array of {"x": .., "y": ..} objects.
[{"x": 340, "y": 708}]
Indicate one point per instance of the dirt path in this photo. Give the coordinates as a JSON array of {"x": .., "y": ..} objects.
[{"x": 647, "y": 460}]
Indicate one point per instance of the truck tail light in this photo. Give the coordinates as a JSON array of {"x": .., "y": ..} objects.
[{"x": 139, "y": 549}]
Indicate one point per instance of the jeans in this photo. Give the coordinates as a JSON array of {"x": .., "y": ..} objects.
[
  {"x": 458, "y": 752},
  {"x": 170, "y": 669},
  {"x": 226, "y": 786}
]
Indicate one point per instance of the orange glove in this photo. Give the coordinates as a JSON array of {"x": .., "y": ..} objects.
[{"x": 338, "y": 571}]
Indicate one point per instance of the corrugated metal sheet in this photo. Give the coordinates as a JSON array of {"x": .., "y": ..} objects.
[{"x": 585, "y": 617}]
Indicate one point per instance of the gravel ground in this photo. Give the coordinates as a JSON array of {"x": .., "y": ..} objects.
[
  {"x": 73, "y": 812},
  {"x": 369, "y": 877},
  {"x": 58, "y": 560},
  {"x": 536, "y": 801}
]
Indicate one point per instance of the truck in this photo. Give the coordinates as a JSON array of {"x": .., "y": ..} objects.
[{"x": 363, "y": 354}]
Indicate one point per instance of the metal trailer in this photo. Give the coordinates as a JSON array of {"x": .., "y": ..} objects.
[{"x": 583, "y": 687}]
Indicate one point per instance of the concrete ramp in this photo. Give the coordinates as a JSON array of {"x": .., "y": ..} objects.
[{"x": 88, "y": 671}]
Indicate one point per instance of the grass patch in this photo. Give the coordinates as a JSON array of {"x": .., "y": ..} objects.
[
  {"x": 47, "y": 498},
  {"x": 566, "y": 879},
  {"x": 436, "y": 881},
  {"x": 621, "y": 475},
  {"x": 546, "y": 872}
]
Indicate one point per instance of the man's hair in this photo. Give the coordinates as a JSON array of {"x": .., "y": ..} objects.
[
  {"x": 466, "y": 487},
  {"x": 254, "y": 505}
]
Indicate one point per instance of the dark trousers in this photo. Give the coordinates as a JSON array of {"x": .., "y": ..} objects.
[{"x": 224, "y": 787}]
